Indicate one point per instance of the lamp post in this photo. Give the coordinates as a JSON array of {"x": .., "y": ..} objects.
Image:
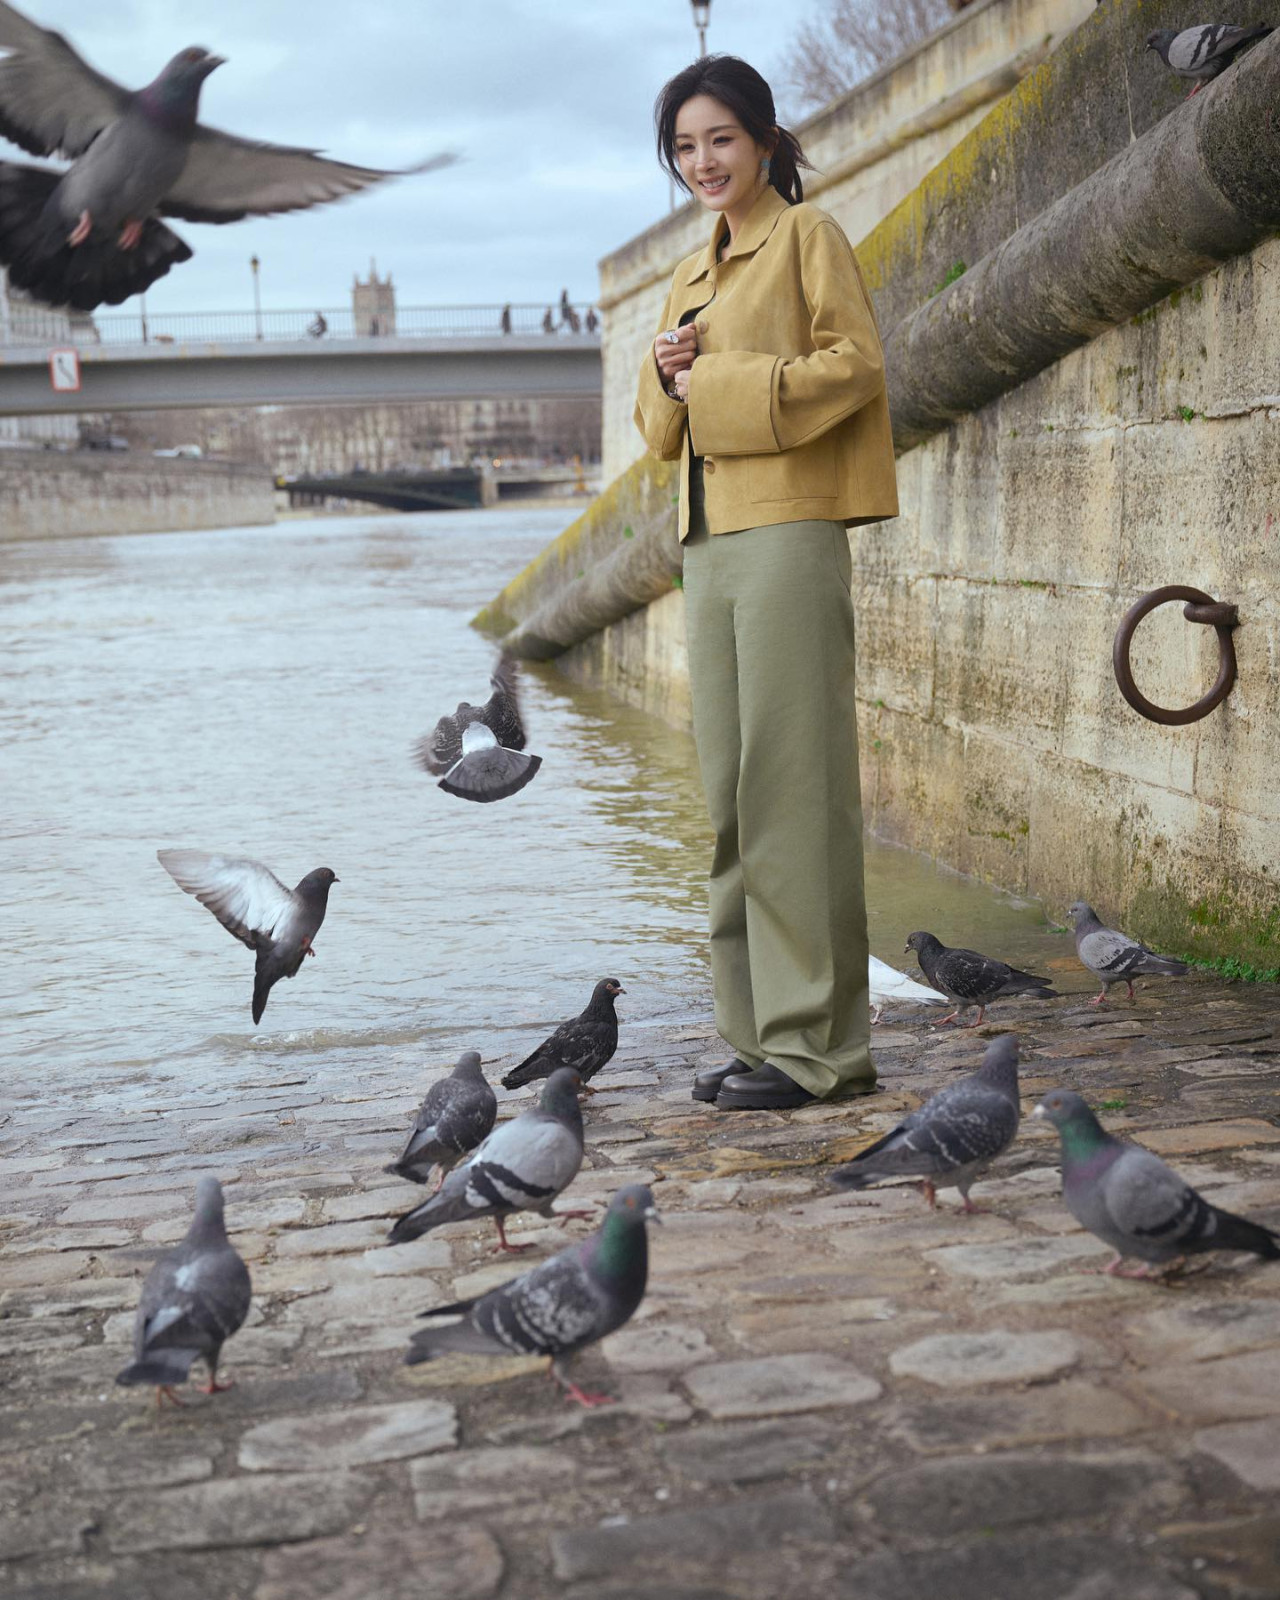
[
  {"x": 701, "y": 16},
  {"x": 254, "y": 264}
]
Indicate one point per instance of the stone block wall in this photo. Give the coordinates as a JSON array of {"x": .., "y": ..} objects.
[{"x": 52, "y": 495}]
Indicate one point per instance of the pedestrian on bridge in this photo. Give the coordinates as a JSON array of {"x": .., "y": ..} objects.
[{"x": 767, "y": 384}]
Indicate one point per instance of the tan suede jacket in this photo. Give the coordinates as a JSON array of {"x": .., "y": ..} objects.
[{"x": 787, "y": 401}]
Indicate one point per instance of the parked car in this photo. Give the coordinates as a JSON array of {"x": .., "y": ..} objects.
[{"x": 181, "y": 452}]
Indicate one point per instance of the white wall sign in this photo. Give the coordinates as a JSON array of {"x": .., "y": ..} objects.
[{"x": 64, "y": 371}]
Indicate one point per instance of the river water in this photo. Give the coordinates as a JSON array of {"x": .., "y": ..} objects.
[{"x": 257, "y": 691}]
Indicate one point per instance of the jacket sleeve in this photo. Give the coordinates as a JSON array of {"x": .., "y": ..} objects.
[
  {"x": 659, "y": 418},
  {"x": 743, "y": 402}
]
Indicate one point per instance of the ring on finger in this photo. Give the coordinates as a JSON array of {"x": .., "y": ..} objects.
[{"x": 673, "y": 338}]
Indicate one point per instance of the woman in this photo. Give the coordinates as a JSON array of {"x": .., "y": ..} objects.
[{"x": 767, "y": 381}]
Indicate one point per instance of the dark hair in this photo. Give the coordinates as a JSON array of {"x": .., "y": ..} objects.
[{"x": 741, "y": 88}]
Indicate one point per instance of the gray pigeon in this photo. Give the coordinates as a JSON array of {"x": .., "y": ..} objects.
[
  {"x": 951, "y": 1140},
  {"x": 1113, "y": 956},
  {"x": 457, "y": 1114},
  {"x": 523, "y": 1165},
  {"x": 194, "y": 1298},
  {"x": 586, "y": 1042},
  {"x": 251, "y": 902},
  {"x": 478, "y": 753},
  {"x": 1135, "y": 1203},
  {"x": 968, "y": 978},
  {"x": 1204, "y": 51},
  {"x": 92, "y": 234},
  {"x": 577, "y": 1297}
]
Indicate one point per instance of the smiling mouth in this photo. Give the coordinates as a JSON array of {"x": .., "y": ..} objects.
[{"x": 713, "y": 185}]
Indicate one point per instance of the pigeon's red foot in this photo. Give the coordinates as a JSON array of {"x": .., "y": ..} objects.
[
  {"x": 982, "y": 1011},
  {"x": 1195, "y": 91},
  {"x": 942, "y": 1021},
  {"x": 930, "y": 1193},
  {"x": 1098, "y": 998},
  {"x": 1115, "y": 1268},
  {"x": 584, "y": 1397},
  {"x": 970, "y": 1210},
  {"x": 81, "y": 231},
  {"x": 440, "y": 1181},
  {"x": 214, "y": 1387},
  {"x": 510, "y": 1249},
  {"x": 131, "y": 236},
  {"x": 306, "y": 948},
  {"x": 165, "y": 1391}
]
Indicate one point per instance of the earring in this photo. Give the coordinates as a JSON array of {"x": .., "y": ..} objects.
[{"x": 764, "y": 166}]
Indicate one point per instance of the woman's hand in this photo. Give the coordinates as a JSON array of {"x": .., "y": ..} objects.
[
  {"x": 675, "y": 353},
  {"x": 681, "y": 386}
]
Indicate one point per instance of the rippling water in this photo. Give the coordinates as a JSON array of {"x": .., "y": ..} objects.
[{"x": 258, "y": 691}]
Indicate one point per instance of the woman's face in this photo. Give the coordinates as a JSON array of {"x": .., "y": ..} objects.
[{"x": 719, "y": 160}]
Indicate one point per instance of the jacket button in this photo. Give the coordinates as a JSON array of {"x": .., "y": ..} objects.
[
  {"x": 702, "y": 325},
  {"x": 708, "y": 466}
]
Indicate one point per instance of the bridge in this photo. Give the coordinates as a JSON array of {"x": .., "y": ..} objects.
[{"x": 131, "y": 362}]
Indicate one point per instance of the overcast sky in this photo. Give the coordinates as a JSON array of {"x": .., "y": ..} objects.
[{"x": 549, "y": 104}]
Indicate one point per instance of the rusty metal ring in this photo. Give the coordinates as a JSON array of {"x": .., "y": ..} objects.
[{"x": 1200, "y": 608}]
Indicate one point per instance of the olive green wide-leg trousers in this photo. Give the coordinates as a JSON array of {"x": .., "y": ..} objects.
[{"x": 771, "y": 662}]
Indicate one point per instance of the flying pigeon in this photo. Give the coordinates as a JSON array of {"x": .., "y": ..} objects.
[
  {"x": 585, "y": 1043},
  {"x": 194, "y": 1298},
  {"x": 886, "y": 984},
  {"x": 1204, "y": 51},
  {"x": 561, "y": 1305},
  {"x": 457, "y": 1114},
  {"x": 523, "y": 1165},
  {"x": 251, "y": 902},
  {"x": 1136, "y": 1204},
  {"x": 1113, "y": 956},
  {"x": 478, "y": 752},
  {"x": 968, "y": 978},
  {"x": 951, "y": 1140},
  {"x": 92, "y": 233}
]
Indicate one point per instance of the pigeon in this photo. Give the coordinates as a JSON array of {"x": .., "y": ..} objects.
[
  {"x": 457, "y": 1114},
  {"x": 522, "y": 1166},
  {"x": 1136, "y": 1204},
  {"x": 1204, "y": 51},
  {"x": 886, "y": 983},
  {"x": 479, "y": 750},
  {"x": 92, "y": 233},
  {"x": 951, "y": 1140},
  {"x": 561, "y": 1305},
  {"x": 585, "y": 1043},
  {"x": 968, "y": 978},
  {"x": 1115, "y": 957},
  {"x": 194, "y": 1298},
  {"x": 251, "y": 902}
]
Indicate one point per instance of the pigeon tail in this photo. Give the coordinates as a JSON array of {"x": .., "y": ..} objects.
[
  {"x": 492, "y": 774},
  {"x": 33, "y": 246},
  {"x": 1159, "y": 966},
  {"x": 261, "y": 987},
  {"x": 160, "y": 1368},
  {"x": 1238, "y": 1233},
  {"x": 461, "y": 1338},
  {"x": 531, "y": 1068}
]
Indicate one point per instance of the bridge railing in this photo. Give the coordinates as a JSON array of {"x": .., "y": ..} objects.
[{"x": 36, "y": 327}]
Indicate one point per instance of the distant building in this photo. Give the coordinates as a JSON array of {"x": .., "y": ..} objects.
[{"x": 373, "y": 305}]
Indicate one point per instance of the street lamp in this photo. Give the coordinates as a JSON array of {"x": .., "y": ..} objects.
[
  {"x": 701, "y": 16},
  {"x": 254, "y": 264}
]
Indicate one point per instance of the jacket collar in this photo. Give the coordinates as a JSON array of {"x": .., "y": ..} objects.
[{"x": 760, "y": 223}]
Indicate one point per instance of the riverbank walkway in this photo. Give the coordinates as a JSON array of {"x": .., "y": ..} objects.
[{"x": 823, "y": 1394}]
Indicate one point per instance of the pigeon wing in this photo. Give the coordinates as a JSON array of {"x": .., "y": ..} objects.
[
  {"x": 1196, "y": 48},
  {"x": 1149, "y": 1203},
  {"x": 227, "y": 178},
  {"x": 970, "y": 975},
  {"x": 52, "y": 102},
  {"x": 501, "y": 711},
  {"x": 550, "y": 1311},
  {"x": 195, "y": 1303},
  {"x": 246, "y": 897},
  {"x": 1107, "y": 950}
]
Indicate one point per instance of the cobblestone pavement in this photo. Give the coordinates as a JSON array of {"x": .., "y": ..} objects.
[{"x": 822, "y": 1394}]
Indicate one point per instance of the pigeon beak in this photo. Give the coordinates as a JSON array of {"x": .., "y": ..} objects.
[
  {"x": 212, "y": 63},
  {"x": 652, "y": 1215},
  {"x": 1040, "y": 1111}
]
